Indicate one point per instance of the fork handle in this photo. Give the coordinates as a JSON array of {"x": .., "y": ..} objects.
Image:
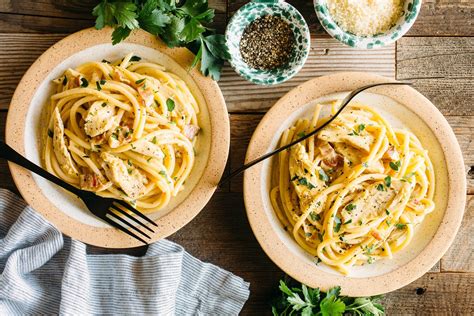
[{"x": 8, "y": 153}]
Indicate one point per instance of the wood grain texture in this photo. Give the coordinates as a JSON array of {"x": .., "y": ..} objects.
[
  {"x": 441, "y": 68},
  {"x": 64, "y": 16},
  {"x": 327, "y": 56},
  {"x": 460, "y": 256},
  {"x": 20, "y": 50},
  {"x": 437, "y": 17},
  {"x": 434, "y": 294}
]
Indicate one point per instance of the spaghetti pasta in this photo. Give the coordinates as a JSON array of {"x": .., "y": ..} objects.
[
  {"x": 126, "y": 129},
  {"x": 353, "y": 193}
]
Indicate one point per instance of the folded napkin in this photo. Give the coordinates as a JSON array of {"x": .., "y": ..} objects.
[{"x": 44, "y": 272}]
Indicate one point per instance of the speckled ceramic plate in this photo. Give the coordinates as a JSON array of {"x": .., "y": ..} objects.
[
  {"x": 66, "y": 211},
  {"x": 403, "y": 107}
]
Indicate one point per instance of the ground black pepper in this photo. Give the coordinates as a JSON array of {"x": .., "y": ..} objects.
[{"x": 267, "y": 43}]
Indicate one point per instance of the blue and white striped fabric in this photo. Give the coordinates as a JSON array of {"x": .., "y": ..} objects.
[{"x": 42, "y": 272}]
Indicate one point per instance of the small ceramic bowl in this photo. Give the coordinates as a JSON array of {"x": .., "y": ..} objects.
[
  {"x": 252, "y": 11},
  {"x": 411, "y": 9}
]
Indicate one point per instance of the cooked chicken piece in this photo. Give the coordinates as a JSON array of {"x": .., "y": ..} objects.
[
  {"x": 330, "y": 158},
  {"x": 190, "y": 131},
  {"x": 146, "y": 94},
  {"x": 375, "y": 167},
  {"x": 129, "y": 179},
  {"x": 117, "y": 75},
  {"x": 148, "y": 148},
  {"x": 335, "y": 134},
  {"x": 60, "y": 147},
  {"x": 352, "y": 154},
  {"x": 307, "y": 184},
  {"x": 372, "y": 202},
  {"x": 391, "y": 154},
  {"x": 91, "y": 182},
  {"x": 99, "y": 118}
]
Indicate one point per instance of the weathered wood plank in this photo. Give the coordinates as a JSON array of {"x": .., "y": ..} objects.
[
  {"x": 437, "y": 17},
  {"x": 460, "y": 257},
  {"x": 434, "y": 294},
  {"x": 441, "y": 68},
  {"x": 17, "y": 23},
  {"x": 243, "y": 126},
  {"x": 20, "y": 50},
  {"x": 326, "y": 56},
  {"x": 51, "y": 16},
  {"x": 63, "y": 8}
]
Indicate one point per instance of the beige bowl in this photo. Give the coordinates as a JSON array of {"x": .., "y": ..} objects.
[
  {"x": 403, "y": 107},
  {"x": 64, "y": 210}
]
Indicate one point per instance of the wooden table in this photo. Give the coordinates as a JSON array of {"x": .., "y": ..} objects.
[{"x": 437, "y": 55}]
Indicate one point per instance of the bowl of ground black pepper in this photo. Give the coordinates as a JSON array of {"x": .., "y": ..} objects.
[{"x": 268, "y": 41}]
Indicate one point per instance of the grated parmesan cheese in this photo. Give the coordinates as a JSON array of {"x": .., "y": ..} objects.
[{"x": 365, "y": 17}]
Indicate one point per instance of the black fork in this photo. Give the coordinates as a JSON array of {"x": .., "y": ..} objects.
[{"x": 112, "y": 211}]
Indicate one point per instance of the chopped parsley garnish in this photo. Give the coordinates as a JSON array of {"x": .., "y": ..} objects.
[
  {"x": 387, "y": 212},
  {"x": 84, "y": 82},
  {"x": 135, "y": 58},
  {"x": 370, "y": 260},
  {"x": 148, "y": 160},
  {"x": 314, "y": 216},
  {"x": 301, "y": 134},
  {"x": 154, "y": 140},
  {"x": 50, "y": 133},
  {"x": 348, "y": 222},
  {"x": 65, "y": 81},
  {"x": 104, "y": 104},
  {"x": 365, "y": 165},
  {"x": 395, "y": 165},
  {"x": 98, "y": 85},
  {"x": 170, "y": 105},
  {"x": 400, "y": 225},
  {"x": 308, "y": 234},
  {"x": 304, "y": 181},
  {"x": 323, "y": 176},
  {"x": 163, "y": 173},
  {"x": 381, "y": 187},
  {"x": 129, "y": 171},
  {"x": 140, "y": 81},
  {"x": 388, "y": 181},
  {"x": 129, "y": 162},
  {"x": 337, "y": 227},
  {"x": 105, "y": 61},
  {"x": 350, "y": 207},
  {"x": 102, "y": 82},
  {"x": 360, "y": 127},
  {"x": 114, "y": 136}
]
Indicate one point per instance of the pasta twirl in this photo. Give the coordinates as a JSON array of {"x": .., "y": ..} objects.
[
  {"x": 125, "y": 129},
  {"x": 353, "y": 193}
]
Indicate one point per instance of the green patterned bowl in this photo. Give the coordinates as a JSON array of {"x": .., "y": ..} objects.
[
  {"x": 410, "y": 12},
  {"x": 252, "y": 11}
]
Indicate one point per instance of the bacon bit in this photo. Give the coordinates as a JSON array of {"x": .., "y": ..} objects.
[
  {"x": 146, "y": 95},
  {"x": 118, "y": 76},
  {"x": 90, "y": 182},
  {"x": 376, "y": 235},
  {"x": 190, "y": 131},
  {"x": 99, "y": 139},
  {"x": 331, "y": 158},
  {"x": 391, "y": 154}
]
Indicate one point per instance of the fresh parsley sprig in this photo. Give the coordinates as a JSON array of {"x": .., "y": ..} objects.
[
  {"x": 303, "y": 300},
  {"x": 177, "y": 25}
]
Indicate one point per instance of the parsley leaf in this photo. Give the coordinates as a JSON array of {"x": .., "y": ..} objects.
[
  {"x": 381, "y": 187},
  {"x": 176, "y": 23},
  {"x": 170, "y": 104},
  {"x": 388, "y": 181},
  {"x": 84, "y": 82},
  {"x": 323, "y": 176},
  {"x": 337, "y": 227},
  {"x": 395, "y": 165}
]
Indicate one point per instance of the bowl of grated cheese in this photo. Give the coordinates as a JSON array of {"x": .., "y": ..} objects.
[{"x": 367, "y": 23}]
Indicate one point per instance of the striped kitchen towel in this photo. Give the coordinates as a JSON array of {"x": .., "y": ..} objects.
[{"x": 44, "y": 272}]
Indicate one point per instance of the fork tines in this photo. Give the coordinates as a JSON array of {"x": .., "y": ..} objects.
[{"x": 115, "y": 219}]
